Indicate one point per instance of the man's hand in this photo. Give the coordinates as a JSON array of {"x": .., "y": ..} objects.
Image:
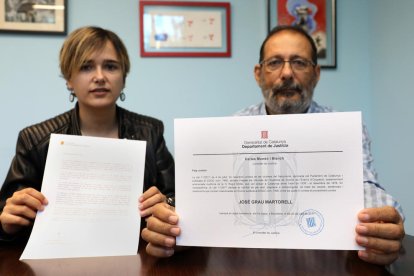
[
  {"x": 149, "y": 198},
  {"x": 380, "y": 231},
  {"x": 20, "y": 209},
  {"x": 161, "y": 230}
]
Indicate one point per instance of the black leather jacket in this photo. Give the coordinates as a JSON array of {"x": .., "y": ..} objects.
[{"x": 28, "y": 164}]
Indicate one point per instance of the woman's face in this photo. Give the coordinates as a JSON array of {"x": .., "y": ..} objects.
[{"x": 99, "y": 81}]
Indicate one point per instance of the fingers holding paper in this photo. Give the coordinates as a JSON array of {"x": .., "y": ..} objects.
[
  {"x": 380, "y": 231},
  {"x": 149, "y": 198},
  {"x": 21, "y": 208},
  {"x": 161, "y": 230}
]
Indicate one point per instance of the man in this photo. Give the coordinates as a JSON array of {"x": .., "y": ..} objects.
[{"x": 287, "y": 74}]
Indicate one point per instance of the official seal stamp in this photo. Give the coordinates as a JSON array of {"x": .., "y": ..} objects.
[{"x": 311, "y": 222}]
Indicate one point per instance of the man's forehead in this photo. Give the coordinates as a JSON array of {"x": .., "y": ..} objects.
[{"x": 288, "y": 43}]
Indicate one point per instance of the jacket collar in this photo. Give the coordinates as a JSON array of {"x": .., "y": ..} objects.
[
  {"x": 75, "y": 130},
  {"x": 120, "y": 114}
]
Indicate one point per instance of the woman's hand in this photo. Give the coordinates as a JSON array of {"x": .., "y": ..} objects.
[{"x": 20, "y": 209}]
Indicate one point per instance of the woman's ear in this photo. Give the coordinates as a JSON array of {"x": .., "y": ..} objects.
[{"x": 69, "y": 86}]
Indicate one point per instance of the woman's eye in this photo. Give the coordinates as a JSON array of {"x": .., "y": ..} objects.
[
  {"x": 111, "y": 66},
  {"x": 86, "y": 67}
]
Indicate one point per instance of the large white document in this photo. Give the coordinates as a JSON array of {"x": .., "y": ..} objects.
[
  {"x": 92, "y": 185},
  {"x": 285, "y": 181}
]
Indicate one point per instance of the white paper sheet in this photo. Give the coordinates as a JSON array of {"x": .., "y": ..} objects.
[
  {"x": 285, "y": 181},
  {"x": 92, "y": 185}
]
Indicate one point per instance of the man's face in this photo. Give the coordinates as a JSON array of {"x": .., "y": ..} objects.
[{"x": 287, "y": 91}]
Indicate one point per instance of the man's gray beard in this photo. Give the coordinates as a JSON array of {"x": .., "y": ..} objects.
[{"x": 291, "y": 106}]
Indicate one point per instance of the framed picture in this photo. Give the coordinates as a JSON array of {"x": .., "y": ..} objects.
[
  {"x": 317, "y": 17},
  {"x": 184, "y": 29},
  {"x": 33, "y": 16}
]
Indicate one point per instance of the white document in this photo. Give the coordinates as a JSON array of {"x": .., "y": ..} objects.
[
  {"x": 285, "y": 181},
  {"x": 92, "y": 185}
]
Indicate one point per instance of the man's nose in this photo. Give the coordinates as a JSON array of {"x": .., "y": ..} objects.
[{"x": 286, "y": 72}]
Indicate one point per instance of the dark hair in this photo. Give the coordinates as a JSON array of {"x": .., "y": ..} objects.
[{"x": 294, "y": 29}]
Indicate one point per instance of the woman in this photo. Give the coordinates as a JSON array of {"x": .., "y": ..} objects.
[{"x": 94, "y": 63}]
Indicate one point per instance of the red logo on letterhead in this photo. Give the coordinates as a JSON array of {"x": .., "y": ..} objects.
[{"x": 264, "y": 134}]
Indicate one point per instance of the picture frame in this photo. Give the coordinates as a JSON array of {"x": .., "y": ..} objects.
[
  {"x": 184, "y": 29},
  {"x": 317, "y": 17},
  {"x": 33, "y": 16}
]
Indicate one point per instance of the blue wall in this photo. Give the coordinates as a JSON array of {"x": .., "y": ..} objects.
[
  {"x": 372, "y": 67},
  {"x": 392, "y": 96}
]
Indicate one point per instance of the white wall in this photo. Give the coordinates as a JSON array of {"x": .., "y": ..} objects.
[{"x": 168, "y": 88}]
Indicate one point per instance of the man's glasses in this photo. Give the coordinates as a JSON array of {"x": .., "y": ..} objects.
[{"x": 297, "y": 64}]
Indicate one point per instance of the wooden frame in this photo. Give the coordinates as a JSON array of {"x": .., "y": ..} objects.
[
  {"x": 29, "y": 17},
  {"x": 184, "y": 29},
  {"x": 318, "y": 17}
]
